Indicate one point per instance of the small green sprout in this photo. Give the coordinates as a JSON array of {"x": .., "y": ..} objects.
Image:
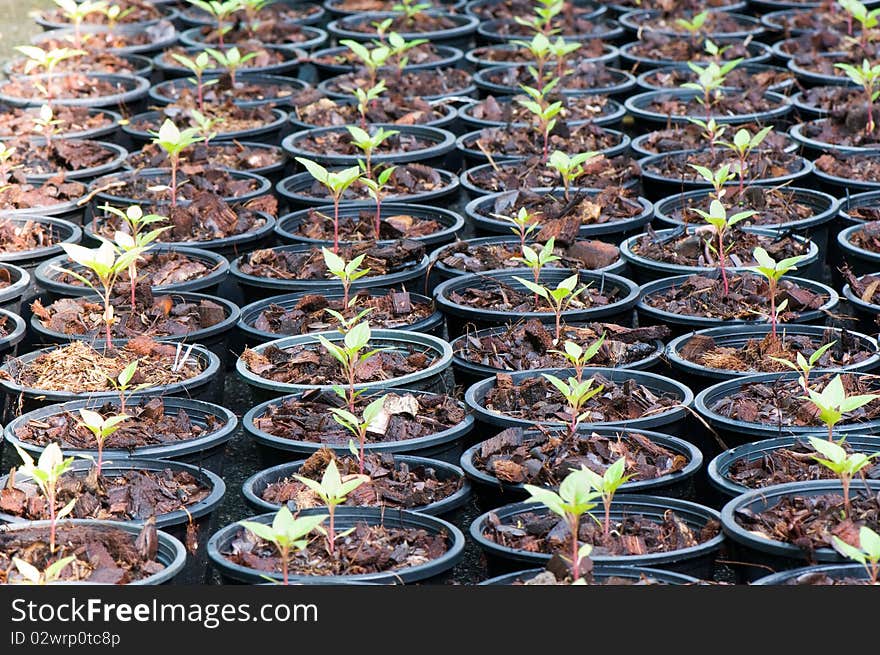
[
  {"x": 544, "y": 13},
  {"x": 575, "y": 498},
  {"x": 350, "y": 355},
  {"x": 101, "y": 428},
  {"x": 522, "y": 225},
  {"x": 717, "y": 217},
  {"x": 359, "y": 426},
  {"x": 560, "y": 49},
  {"x": 710, "y": 81},
  {"x": 197, "y": 65},
  {"x": 287, "y": 533},
  {"x": 47, "y": 60},
  {"x": 47, "y": 124},
  {"x": 231, "y": 60},
  {"x": 570, "y": 167},
  {"x": 411, "y": 9},
  {"x": 376, "y": 189},
  {"x": 538, "y": 259},
  {"x": 718, "y": 179},
  {"x": 867, "y": 554},
  {"x": 174, "y": 141},
  {"x": 115, "y": 13},
  {"x": 372, "y": 58},
  {"x": 368, "y": 144},
  {"x": 365, "y": 96},
  {"x": 136, "y": 220},
  {"x": 347, "y": 272},
  {"x": 576, "y": 393},
  {"x": 559, "y": 299},
  {"x": 804, "y": 366},
  {"x": 46, "y": 472},
  {"x": 336, "y": 183},
  {"x": 32, "y": 575},
  {"x": 579, "y": 357},
  {"x": 221, "y": 11},
  {"x": 712, "y": 132},
  {"x": 773, "y": 272},
  {"x": 544, "y": 113},
  {"x": 835, "y": 458},
  {"x": 540, "y": 49},
  {"x": 868, "y": 20},
  {"x": 333, "y": 491},
  {"x": 607, "y": 484},
  {"x": 867, "y": 77},
  {"x": 833, "y": 402},
  {"x": 77, "y": 11},
  {"x": 694, "y": 25},
  {"x": 742, "y": 146}
]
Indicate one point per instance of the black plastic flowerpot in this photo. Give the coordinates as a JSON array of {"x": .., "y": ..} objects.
[
  {"x": 166, "y": 92},
  {"x": 106, "y": 132},
  {"x": 642, "y": 147},
  {"x": 491, "y": 491},
  {"x": 644, "y": 270},
  {"x": 290, "y": 59},
  {"x": 642, "y": 21},
  {"x": 621, "y": 84},
  {"x": 117, "y": 155},
  {"x": 273, "y": 172},
  {"x": 849, "y": 189},
  {"x": 652, "y": 79},
  {"x": 138, "y": 65},
  {"x": 337, "y": 88},
  {"x": 173, "y": 523},
  {"x": 806, "y": 76},
  {"x": 637, "y": 105},
  {"x": 312, "y": 14},
  {"x": 762, "y": 554},
  {"x": 860, "y": 260},
  {"x": 57, "y": 231},
  {"x": 738, "y": 336},
  {"x": 815, "y": 148},
  {"x": 450, "y": 222},
  {"x": 481, "y": 57},
  {"x": 315, "y": 38},
  {"x": 613, "y": 113},
  {"x": 680, "y": 323},
  {"x": 171, "y": 553},
  {"x": 19, "y": 283},
  {"x": 161, "y": 35},
  {"x": 457, "y": 37},
  {"x": 447, "y": 119},
  {"x": 806, "y": 575},
  {"x": 434, "y": 377},
  {"x": 670, "y": 419},
  {"x": 697, "y": 561},
  {"x": 866, "y": 312},
  {"x": 434, "y": 570},
  {"x": 268, "y": 133},
  {"x": 759, "y": 53},
  {"x": 46, "y": 274},
  {"x": 439, "y": 143},
  {"x": 447, "y": 56},
  {"x": 205, "y": 452},
  {"x": 129, "y": 100},
  {"x": 466, "y": 144},
  {"x": 444, "y": 445},
  {"x": 337, "y": 8},
  {"x": 601, "y": 574},
  {"x": 496, "y": 31},
  {"x": 460, "y": 318},
  {"x": 15, "y": 328},
  {"x": 164, "y": 13},
  {"x": 468, "y": 372},
  {"x": 734, "y": 431},
  {"x": 479, "y": 211},
  {"x": 255, "y": 485},
  {"x": 718, "y": 469},
  {"x": 21, "y": 399},
  {"x": 215, "y": 338},
  {"x": 250, "y": 335}
]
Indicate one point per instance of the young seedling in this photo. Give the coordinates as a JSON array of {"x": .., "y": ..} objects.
[
  {"x": 522, "y": 225},
  {"x": 694, "y": 25},
  {"x": 561, "y": 49},
  {"x": 712, "y": 131},
  {"x": 867, "y": 554},
  {"x": 540, "y": 49},
  {"x": 106, "y": 266},
  {"x": 47, "y": 60},
  {"x": 575, "y": 498},
  {"x": 115, "y": 13},
  {"x": 742, "y": 146},
  {"x": 46, "y": 124},
  {"x": 569, "y": 167},
  {"x": 710, "y": 80},
  {"x": 231, "y": 60},
  {"x": 368, "y": 144},
  {"x": 607, "y": 484},
  {"x": 252, "y": 9},
  {"x": 714, "y": 50},
  {"x": 399, "y": 47},
  {"x": 866, "y": 77},
  {"x": 544, "y": 113},
  {"x": 773, "y": 271},
  {"x": 46, "y": 472},
  {"x": 136, "y": 221},
  {"x": 122, "y": 383},
  {"x": 537, "y": 260},
  {"x": 174, "y": 141},
  {"x": 198, "y": 65},
  {"x": 32, "y": 575},
  {"x": 206, "y": 125},
  {"x": 559, "y": 299},
  {"x": 868, "y": 20},
  {"x": 221, "y": 11},
  {"x": 803, "y": 365},
  {"x": 835, "y": 458},
  {"x": 576, "y": 393},
  {"x": 364, "y": 97},
  {"x": 411, "y": 9},
  {"x": 101, "y": 428},
  {"x": 833, "y": 402},
  {"x": 372, "y": 58},
  {"x": 333, "y": 491},
  {"x": 717, "y": 217},
  {"x": 350, "y": 355},
  {"x": 346, "y": 272},
  {"x": 542, "y": 21},
  {"x": 336, "y": 183},
  {"x": 77, "y": 11},
  {"x": 359, "y": 427},
  {"x": 376, "y": 189},
  {"x": 718, "y": 179},
  {"x": 6, "y": 165},
  {"x": 579, "y": 357},
  {"x": 289, "y": 534}
]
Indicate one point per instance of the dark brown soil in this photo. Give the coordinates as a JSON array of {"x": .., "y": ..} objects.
[
  {"x": 148, "y": 425},
  {"x": 339, "y": 142},
  {"x": 16, "y": 121},
  {"x": 673, "y": 48},
  {"x": 422, "y": 82},
  {"x": 131, "y": 495},
  {"x": 319, "y": 225},
  {"x": 94, "y": 62},
  {"x": 420, "y": 22},
  {"x": 391, "y": 484},
  {"x": 269, "y": 31},
  {"x": 155, "y": 268},
  {"x": 108, "y": 39},
  {"x": 862, "y": 168},
  {"x": 865, "y": 287},
  {"x": 510, "y": 9},
  {"x": 309, "y": 264},
  {"x": 55, "y": 191},
  {"x": 406, "y": 179},
  {"x": 867, "y": 236},
  {"x": 566, "y": 24},
  {"x": 761, "y": 164},
  {"x": 396, "y": 309},
  {"x": 79, "y": 368},
  {"x": 845, "y": 127},
  {"x": 59, "y": 156},
  {"x": 546, "y": 459},
  {"x": 197, "y": 179},
  {"x": 716, "y": 23},
  {"x": 17, "y": 236},
  {"x": 230, "y": 117},
  {"x": 689, "y": 137},
  {"x": 308, "y": 418},
  {"x": 67, "y": 87},
  {"x": 135, "y": 11},
  {"x": 498, "y": 141},
  {"x": 757, "y": 355},
  {"x": 103, "y": 555},
  {"x": 584, "y": 76},
  {"x": 264, "y": 56},
  {"x": 280, "y": 11},
  {"x": 577, "y": 108},
  {"x": 810, "y": 522},
  {"x": 499, "y": 296},
  {"x": 529, "y": 345},
  {"x": 231, "y": 155},
  {"x": 224, "y": 90},
  {"x": 313, "y": 108},
  {"x": 781, "y": 402},
  {"x": 738, "y": 78},
  {"x": 424, "y": 53},
  {"x": 537, "y": 400},
  {"x": 522, "y": 55},
  {"x": 583, "y": 254},
  {"x": 532, "y": 173},
  {"x": 733, "y": 103},
  {"x": 773, "y": 206},
  {"x": 831, "y": 99},
  {"x": 703, "y": 295}
]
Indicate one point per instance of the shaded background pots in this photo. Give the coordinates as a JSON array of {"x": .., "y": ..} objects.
[
  {"x": 601, "y": 573},
  {"x": 268, "y": 133},
  {"x": 347, "y": 517},
  {"x": 803, "y": 576},
  {"x": 20, "y": 281}
]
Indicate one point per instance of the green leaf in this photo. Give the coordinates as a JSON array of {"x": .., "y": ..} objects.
[{"x": 315, "y": 169}]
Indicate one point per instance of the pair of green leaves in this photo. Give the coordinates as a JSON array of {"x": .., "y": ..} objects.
[{"x": 833, "y": 401}]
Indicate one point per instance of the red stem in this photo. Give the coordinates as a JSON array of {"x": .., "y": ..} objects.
[
  {"x": 721, "y": 262},
  {"x": 331, "y": 532},
  {"x": 363, "y": 436},
  {"x": 773, "y": 308},
  {"x": 336, "y": 224},
  {"x": 174, "y": 181},
  {"x": 52, "y": 520},
  {"x": 378, "y": 225},
  {"x": 284, "y": 556},
  {"x": 607, "y": 502},
  {"x": 575, "y": 559}
]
